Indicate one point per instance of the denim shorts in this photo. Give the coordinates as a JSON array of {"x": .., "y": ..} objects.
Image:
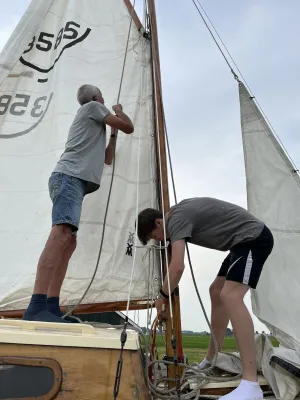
[{"x": 67, "y": 193}]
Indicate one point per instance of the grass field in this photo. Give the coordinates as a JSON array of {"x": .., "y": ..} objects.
[{"x": 195, "y": 346}]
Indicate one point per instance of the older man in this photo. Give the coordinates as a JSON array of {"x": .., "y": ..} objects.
[{"x": 77, "y": 173}]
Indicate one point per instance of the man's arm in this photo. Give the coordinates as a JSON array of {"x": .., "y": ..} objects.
[
  {"x": 176, "y": 266},
  {"x": 110, "y": 149},
  {"x": 121, "y": 121}
]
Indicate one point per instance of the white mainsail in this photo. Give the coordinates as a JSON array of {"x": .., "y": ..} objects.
[{"x": 56, "y": 47}]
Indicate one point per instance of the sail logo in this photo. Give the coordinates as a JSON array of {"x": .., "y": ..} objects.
[
  {"x": 22, "y": 104},
  {"x": 130, "y": 243},
  {"x": 19, "y": 104},
  {"x": 67, "y": 37},
  {"x": 22, "y": 107}
]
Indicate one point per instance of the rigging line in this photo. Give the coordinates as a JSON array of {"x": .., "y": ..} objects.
[
  {"x": 170, "y": 162},
  {"x": 125, "y": 56},
  {"x": 152, "y": 263},
  {"x": 148, "y": 286},
  {"x": 162, "y": 198},
  {"x": 243, "y": 78},
  {"x": 221, "y": 40},
  {"x": 160, "y": 137},
  {"x": 161, "y": 269},
  {"x": 137, "y": 199},
  {"x": 111, "y": 182},
  {"x": 214, "y": 359},
  {"x": 150, "y": 298},
  {"x": 136, "y": 227},
  {"x": 215, "y": 40},
  {"x": 155, "y": 68},
  {"x": 145, "y": 13},
  {"x": 215, "y": 356}
]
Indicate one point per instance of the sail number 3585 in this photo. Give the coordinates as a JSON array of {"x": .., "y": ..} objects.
[
  {"x": 19, "y": 107},
  {"x": 44, "y": 44}
]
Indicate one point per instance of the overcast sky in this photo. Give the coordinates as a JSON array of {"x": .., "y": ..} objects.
[{"x": 202, "y": 107}]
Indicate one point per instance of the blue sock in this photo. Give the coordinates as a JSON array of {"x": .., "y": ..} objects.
[
  {"x": 37, "y": 303},
  {"x": 53, "y": 306},
  {"x": 37, "y": 310}
]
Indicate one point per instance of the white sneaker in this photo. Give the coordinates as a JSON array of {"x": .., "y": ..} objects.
[{"x": 245, "y": 391}]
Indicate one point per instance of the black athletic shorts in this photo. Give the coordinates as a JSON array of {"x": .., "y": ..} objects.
[{"x": 245, "y": 261}]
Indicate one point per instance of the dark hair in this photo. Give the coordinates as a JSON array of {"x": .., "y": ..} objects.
[{"x": 146, "y": 223}]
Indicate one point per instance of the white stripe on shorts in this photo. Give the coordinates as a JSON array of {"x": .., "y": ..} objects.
[
  {"x": 248, "y": 268},
  {"x": 233, "y": 264}
]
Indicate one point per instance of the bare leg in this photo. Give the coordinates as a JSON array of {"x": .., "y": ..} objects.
[
  {"x": 51, "y": 259},
  {"x": 52, "y": 256},
  {"x": 219, "y": 316},
  {"x": 61, "y": 270},
  {"x": 232, "y": 296}
]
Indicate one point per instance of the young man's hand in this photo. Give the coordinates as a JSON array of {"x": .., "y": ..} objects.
[{"x": 159, "y": 303}]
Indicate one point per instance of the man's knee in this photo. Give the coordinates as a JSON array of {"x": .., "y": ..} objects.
[
  {"x": 62, "y": 236},
  {"x": 227, "y": 298},
  {"x": 233, "y": 293},
  {"x": 215, "y": 289}
]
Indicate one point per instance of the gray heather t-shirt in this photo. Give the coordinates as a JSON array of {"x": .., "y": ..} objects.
[
  {"x": 212, "y": 223},
  {"x": 84, "y": 153}
]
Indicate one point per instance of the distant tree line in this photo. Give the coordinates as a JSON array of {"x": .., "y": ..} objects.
[{"x": 229, "y": 332}]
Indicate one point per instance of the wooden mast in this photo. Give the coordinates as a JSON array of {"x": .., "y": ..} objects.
[{"x": 163, "y": 182}]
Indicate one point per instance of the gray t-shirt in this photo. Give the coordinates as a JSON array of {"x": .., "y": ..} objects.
[
  {"x": 212, "y": 223},
  {"x": 84, "y": 153}
]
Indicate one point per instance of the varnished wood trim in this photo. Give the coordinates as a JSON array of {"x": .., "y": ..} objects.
[
  {"x": 38, "y": 362},
  {"x": 91, "y": 308},
  {"x": 134, "y": 16}
]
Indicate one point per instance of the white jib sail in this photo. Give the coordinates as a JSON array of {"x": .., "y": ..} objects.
[
  {"x": 56, "y": 47},
  {"x": 273, "y": 189}
]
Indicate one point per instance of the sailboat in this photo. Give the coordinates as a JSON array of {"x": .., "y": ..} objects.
[{"x": 53, "y": 48}]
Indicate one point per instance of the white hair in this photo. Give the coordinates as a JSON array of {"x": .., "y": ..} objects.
[{"x": 86, "y": 93}]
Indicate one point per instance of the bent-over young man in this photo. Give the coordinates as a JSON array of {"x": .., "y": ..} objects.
[{"x": 223, "y": 226}]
